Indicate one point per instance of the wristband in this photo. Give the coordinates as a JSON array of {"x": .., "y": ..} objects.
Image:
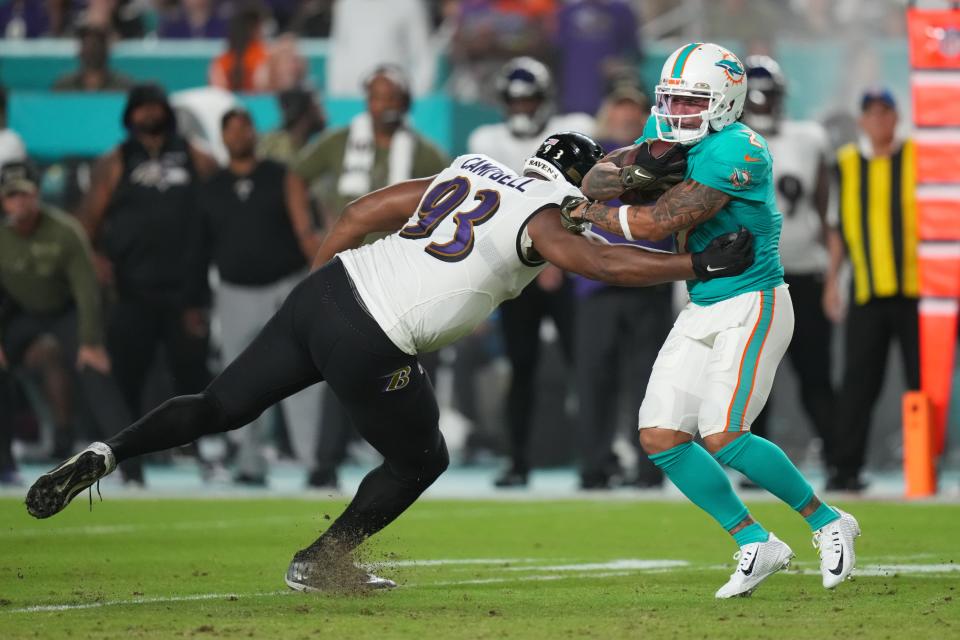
[{"x": 624, "y": 225}]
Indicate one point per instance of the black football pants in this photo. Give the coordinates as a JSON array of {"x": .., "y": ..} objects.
[{"x": 321, "y": 332}]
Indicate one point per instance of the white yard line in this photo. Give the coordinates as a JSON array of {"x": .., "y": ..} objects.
[
  {"x": 592, "y": 570},
  {"x": 187, "y": 525},
  {"x": 159, "y": 600}
]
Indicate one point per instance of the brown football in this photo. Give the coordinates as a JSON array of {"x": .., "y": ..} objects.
[{"x": 657, "y": 149}]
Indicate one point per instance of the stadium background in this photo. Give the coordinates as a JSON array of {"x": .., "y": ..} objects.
[
  {"x": 188, "y": 558},
  {"x": 862, "y": 44}
]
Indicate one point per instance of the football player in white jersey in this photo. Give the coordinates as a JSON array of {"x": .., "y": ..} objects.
[
  {"x": 800, "y": 149},
  {"x": 461, "y": 243},
  {"x": 526, "y": 91}
]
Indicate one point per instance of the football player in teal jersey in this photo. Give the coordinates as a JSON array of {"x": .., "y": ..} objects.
[{"x": 715, "y": 370}]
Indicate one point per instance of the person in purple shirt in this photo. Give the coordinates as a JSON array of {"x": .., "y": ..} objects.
[
  {"x": 615, "y": 351},
  {"x": 194, "y": 19},
  {"x": 597, "y": 42}
]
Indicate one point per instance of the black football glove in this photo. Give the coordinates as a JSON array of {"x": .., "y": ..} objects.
[
  {"x": 728, "y": 255},
  {"x": 655, "y": 175},
  {"x": 573, "y": 225}
]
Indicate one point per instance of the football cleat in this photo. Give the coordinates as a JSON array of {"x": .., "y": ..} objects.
[
  {"x": 758, "y": 561},
  {"x": 834, "y": 543},
  {"x": 310, "y": 576},
  {"x": 55, "y": 489}
]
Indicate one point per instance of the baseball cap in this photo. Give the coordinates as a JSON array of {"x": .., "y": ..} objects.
[
  {"x": 877, "y": 94},
  {"x": 18, "y": 177}
]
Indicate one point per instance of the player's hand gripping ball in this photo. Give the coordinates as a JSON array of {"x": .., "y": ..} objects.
[{"x": 650, "y": 168}]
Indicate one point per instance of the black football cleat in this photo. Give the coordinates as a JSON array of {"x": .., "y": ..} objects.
[{"x": 55, "y": 489}]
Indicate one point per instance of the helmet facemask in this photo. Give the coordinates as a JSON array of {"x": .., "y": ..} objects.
[{"x": 684, "y": 128}]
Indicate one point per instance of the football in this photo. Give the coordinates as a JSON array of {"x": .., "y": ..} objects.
[{"x": 657, "y": 149}]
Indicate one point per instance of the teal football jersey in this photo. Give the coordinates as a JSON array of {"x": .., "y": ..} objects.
[{"x": 736, "y": 161}]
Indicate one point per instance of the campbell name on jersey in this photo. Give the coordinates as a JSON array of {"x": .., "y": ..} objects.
[
  {"x": 496, "y": 140},
  {"x": 798, "y": 148},
  {"x": 462, "y": 252},
  {"x": 736, "y": 161}
]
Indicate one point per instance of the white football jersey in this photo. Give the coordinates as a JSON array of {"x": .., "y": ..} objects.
[
  {"x": 462, "y": 253},
  {"x": 797, "y": 151},
  {"x": 496, "y": 141}
]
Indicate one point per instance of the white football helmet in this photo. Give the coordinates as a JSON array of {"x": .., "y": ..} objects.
[{"x": 699, "y": 70}]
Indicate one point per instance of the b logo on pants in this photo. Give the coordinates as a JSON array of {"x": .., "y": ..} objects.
[{"x": 398, "y": 379}]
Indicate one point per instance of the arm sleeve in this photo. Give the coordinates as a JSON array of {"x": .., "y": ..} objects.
[
  {"x": 83, "y": 285},
  {"x": 737, "y": 164}
]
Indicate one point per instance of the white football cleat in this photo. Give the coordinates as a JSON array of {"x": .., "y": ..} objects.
[
  {"x": 834, "y": 542},
  {"x": 758, "y": 561}
]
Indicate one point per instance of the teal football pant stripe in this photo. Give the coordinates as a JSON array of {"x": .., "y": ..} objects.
[{"x": 750, "y": 362}]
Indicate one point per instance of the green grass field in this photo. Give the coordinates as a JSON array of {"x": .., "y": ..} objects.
[{"x": 553, "y": 569}]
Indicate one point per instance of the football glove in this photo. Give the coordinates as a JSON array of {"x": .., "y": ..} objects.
[
  {"x": 650, "y": 174},
  {"x": 573, "y": 225},
  {"x": 728, "y": 255}
]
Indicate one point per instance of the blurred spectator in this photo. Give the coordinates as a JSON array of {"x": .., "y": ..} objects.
[
  {"x": 120, "y": 17},
  {"x": 243, "y": 66},
  {"x": 286, "y": 66},
  {"x": 137, "y": 212},
  {"x": 11, "y": 146},
  {"x": 597, "y": 43},
  {"x": 246, "y": 232},
  {"x": 490, "y": 32},
  {"x": 378, "y": 148},
  {"x": 61, "y": 16},
  {"x": 53, "y": 326},
  {"x": 313, "y": 19},
  {"x": 302, "y": 118},
  {"x": 369, "y": 33},
  {"x": 94, "y": 73},
  {"x": 194, "y": 19},
  {"x": 525, "y": 89},
  {"x": 878, "y": 231},
  {"x": 21, "y": 19},
  {"x": 616, "y": 350},
  {"x": 802, "y": 180},
  {"x": 283, "y": 12},
  {"x": 754, "y": 23}
]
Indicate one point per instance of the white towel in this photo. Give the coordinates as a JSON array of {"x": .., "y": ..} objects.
[{"x": 359, "y": 155}]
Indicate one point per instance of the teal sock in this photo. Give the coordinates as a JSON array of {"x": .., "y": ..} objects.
[
  {"x": 751, "y": 533},
  {"x": 824, "y": 515},
  {"x": 703, "y": 481},
  {"x": 768, "y": 466}
]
